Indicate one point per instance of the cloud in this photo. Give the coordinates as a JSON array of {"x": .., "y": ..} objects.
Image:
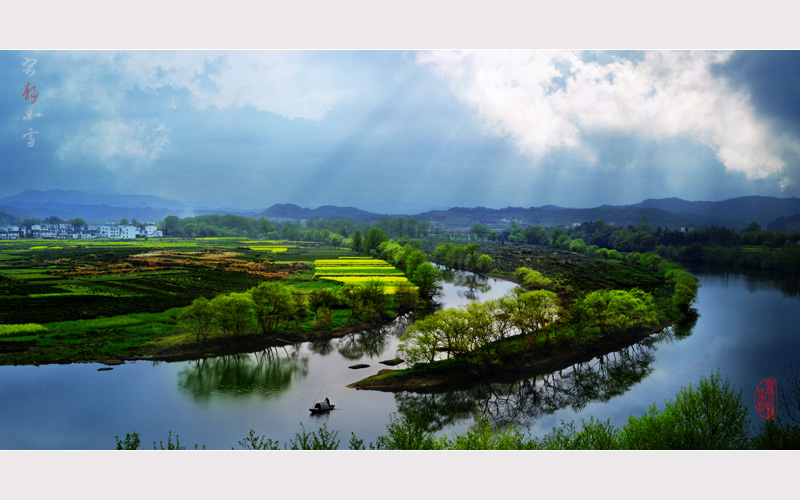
[
  {"x": 289, "y": 84},
  {"x": 118, "y": 143},
  {"x": 543, "y": 101}
]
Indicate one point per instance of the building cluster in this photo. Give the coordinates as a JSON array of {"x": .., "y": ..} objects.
[{"x": 65, "y": 231}]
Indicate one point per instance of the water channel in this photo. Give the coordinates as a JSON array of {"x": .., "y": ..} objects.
[{"x": 746, "y": 328}]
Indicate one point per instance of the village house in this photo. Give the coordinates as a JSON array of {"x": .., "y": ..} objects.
[{"x": 62, "y": 231}]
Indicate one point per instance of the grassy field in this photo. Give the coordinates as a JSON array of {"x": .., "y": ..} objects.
[{"x": 65, "y": 301}]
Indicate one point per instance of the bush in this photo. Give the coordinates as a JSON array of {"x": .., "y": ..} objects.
[
  {"x": 710, "y": 416},
  {"x": 20, "y": 330}
]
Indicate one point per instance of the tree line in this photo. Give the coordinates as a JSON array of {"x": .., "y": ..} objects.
[
  {"x": 750, "y": 247},
  {"x": 273, "y": 307}
]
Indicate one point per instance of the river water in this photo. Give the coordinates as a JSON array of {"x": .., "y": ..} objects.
[{"x": 746, "y": 329}]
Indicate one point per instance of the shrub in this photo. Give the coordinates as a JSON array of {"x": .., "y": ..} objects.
[{"x": 19, "y": 330}]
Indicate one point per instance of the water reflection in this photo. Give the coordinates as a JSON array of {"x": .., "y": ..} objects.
[
  {"x": 370, "y": 342},
  {"x": 468, "y": 285},
  {"x": 266, "y": 373},
  {"x": 524, "y": 400},
  {"x": 756, "y": 280}
]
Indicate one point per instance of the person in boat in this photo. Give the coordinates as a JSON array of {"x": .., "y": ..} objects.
[{"x": 327, "y": 401}]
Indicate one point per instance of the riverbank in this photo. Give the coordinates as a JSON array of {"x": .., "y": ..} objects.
[
  {"x": 461, "y": 373},
  {"x": 154, "y": 338}
]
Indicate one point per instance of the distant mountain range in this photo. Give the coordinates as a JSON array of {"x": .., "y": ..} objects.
[
  {"x": 735, "y": 213},
  {"x": 96, "y": 207}
]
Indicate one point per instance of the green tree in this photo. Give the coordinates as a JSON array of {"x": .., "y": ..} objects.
[
  {"x": 535, "y": 235},
  {"x": 618, "y": 310},
  {"x": 272, "y": 303},
  {"x": 428, "y": 279},
  {"x": 374, "y": 237},
  {"x": 357, "y": 243},
  {"x": 321, "y": 301},
  {"x": 533, "y": 280},
  {"x": 484, "y": 263},
  {"x": 578, "y": 246},
  {"x": 479, "y": 230},
  {"x": 413, "y": 260},
  {"x": 170, "y": 226},
  {"x": 233, "y": 312},
  {"x": 686, "y": 285},
  {"x": 77, "y": 222},
  {"x": 199, "y": 315},
  {"x": 406, "y": 297}
]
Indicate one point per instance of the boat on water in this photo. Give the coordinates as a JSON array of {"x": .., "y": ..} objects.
[{"x": 322, "y": 407}]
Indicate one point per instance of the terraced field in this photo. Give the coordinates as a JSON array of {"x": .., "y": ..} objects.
[{"x": 360, "y": 270}]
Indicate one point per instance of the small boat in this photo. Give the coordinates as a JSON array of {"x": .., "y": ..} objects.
[{"x": 322, "y": 407}]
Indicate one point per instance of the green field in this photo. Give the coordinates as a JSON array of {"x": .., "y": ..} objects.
[
  {"x": 107, "y": 300},
  {"x": 90, "y": 279}
]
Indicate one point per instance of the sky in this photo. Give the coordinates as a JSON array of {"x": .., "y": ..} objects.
[{"x": 402, "y": 131}]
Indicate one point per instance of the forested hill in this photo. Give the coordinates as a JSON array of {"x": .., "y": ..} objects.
[
  {"x": 294, "y": 212},
  {"x": 735, "y": 213},
  {"x": 548, "y": 216}
]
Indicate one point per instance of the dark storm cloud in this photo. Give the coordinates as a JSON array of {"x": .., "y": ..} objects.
[{"x": 772, "y": 79}]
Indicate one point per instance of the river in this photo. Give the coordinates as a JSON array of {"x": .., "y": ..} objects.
[{"x": 746, "y": 328}]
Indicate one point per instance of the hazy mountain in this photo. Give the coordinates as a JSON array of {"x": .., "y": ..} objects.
[
  {"x": 735, "y": 213},
  {"x": 785, "y": 224},
  {"x": 73, "y": 197},
  {"x": 7, "y": 219},
  {"x": 293, "y": 212},
  {"x": 92, "y": 207},
  {"x": 551, "y": 215}
]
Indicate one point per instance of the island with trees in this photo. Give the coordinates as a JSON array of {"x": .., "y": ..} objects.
[{"x": 568, "y": 308}]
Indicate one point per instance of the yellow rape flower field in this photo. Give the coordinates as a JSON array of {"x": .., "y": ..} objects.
[{"x": 360, "y": 270}]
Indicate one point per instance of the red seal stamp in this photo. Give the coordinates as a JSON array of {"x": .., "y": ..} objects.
[{"x": 765, "y": 398}]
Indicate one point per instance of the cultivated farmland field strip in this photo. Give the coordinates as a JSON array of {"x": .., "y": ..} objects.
[{"x": 360, "y": 270}]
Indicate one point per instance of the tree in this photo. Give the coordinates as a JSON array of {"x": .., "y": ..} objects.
[
  {"x": 77, "y": 222},
  {"x": 533, "y": 280},
  {"x": 170, "y": 226},
  {"x": 320, "y": 302},
  {"x": 233, "y": 312},
  {"x": 484, "y": 263},
  {"x": 406, "y": 296},
  {"x": 479, "y": 230},
  {"x": 272, "y": 302},
  {"x": 357, "y": 243},
  {"x": 686, "y": 285},
  {"x": 752, "y": 228},
  {"x": 374, "y": 237},
  {"x": 413, "y": 260},
  {"x": 428, "y": 279},
  {"x": 535, "y": 235},
  {"x": 578, "y": 246},
  {"x": 199, "y": 315},
  {"x": 618, "y": 310}
]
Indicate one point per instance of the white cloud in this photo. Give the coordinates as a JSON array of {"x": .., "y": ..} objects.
[
  {"x": 118, "y": 143},
  {"x": 290, "y": 84},
  {"x": 547, "y": 100}
]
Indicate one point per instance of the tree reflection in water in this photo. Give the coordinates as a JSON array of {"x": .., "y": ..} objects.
[
  {"x": 266, "y": 373},
  {"x": 472, "y": 284},
  {"x": 523, "y": 401},
  {"x": 372, "y": 342}
]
